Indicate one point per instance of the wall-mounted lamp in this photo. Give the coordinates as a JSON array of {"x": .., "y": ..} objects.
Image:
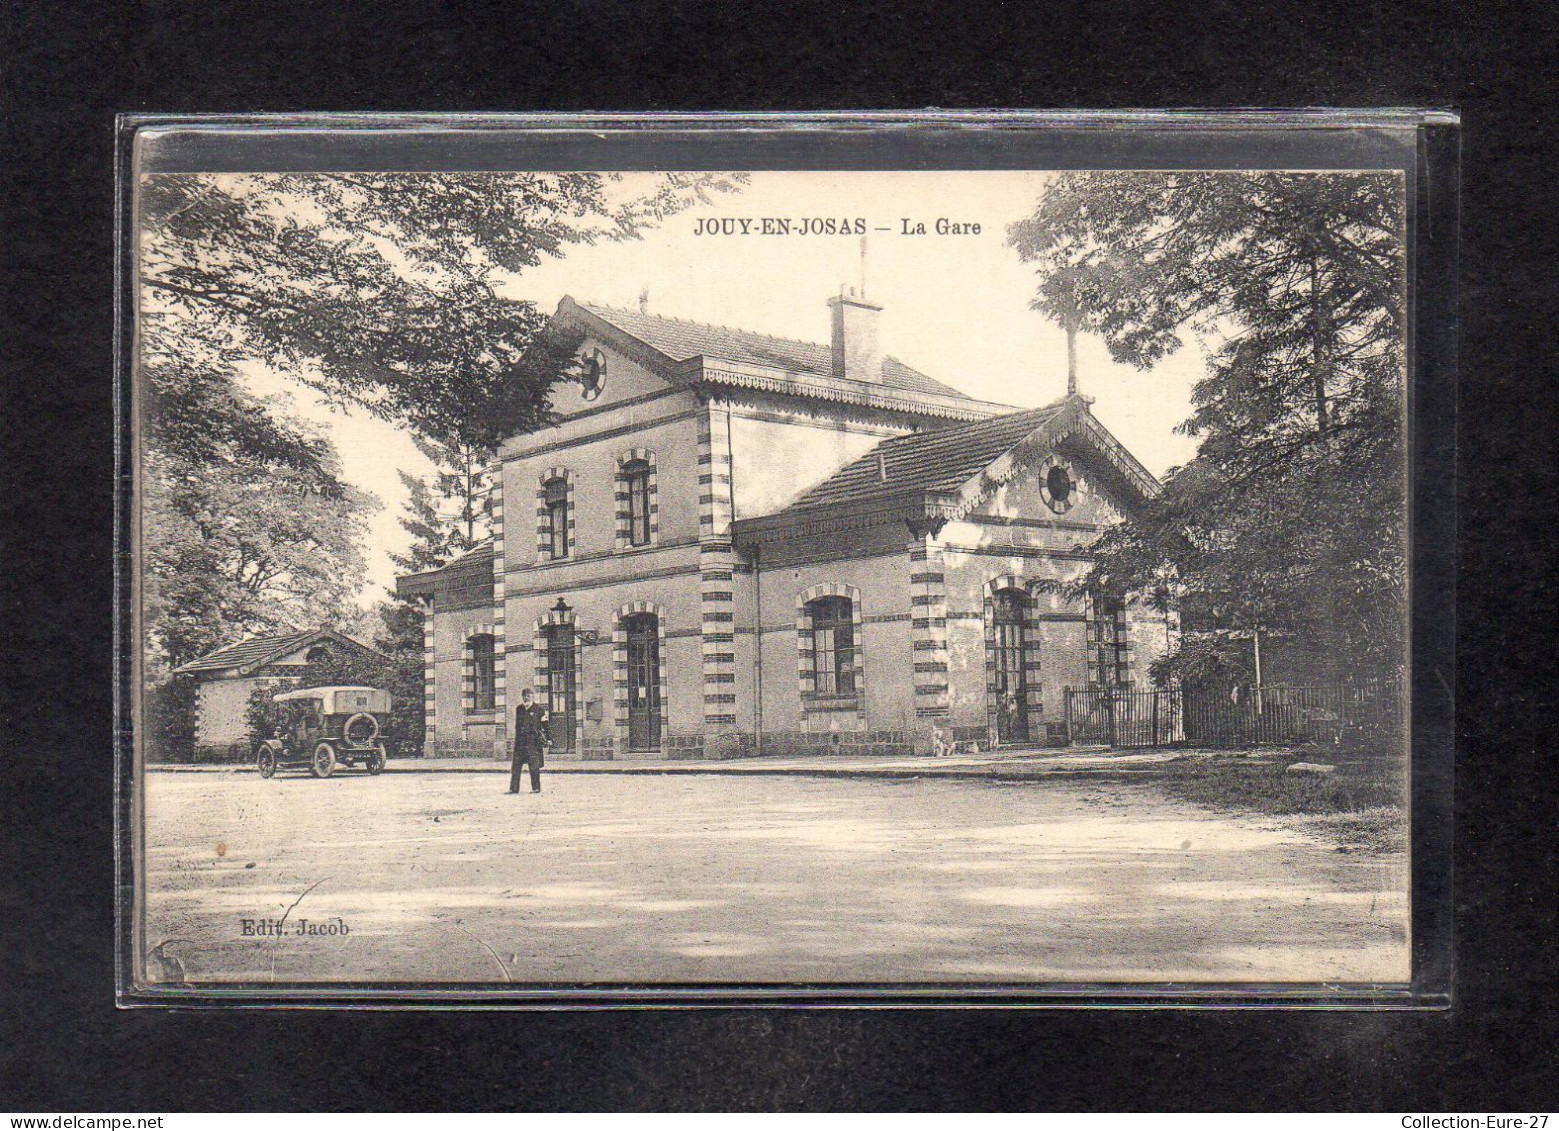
[{"x": 588, "y": 635}]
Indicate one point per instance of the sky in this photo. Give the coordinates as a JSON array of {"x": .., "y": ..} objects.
[{"x": 955, "y": 306}]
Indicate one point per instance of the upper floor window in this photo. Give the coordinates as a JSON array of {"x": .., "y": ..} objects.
[
  {"x": 833, "y": 645},
  {"x": 555, "y": 518},
  {"x": 637, "y": 520},
  {"x": 481, "y": 669},
  {"x": 636, "y": 484}
]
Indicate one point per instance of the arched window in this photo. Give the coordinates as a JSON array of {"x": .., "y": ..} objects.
[
  {"x": 833, "y": 645},
  {"x": 554, "y": 517},
  {"x": 637, "y": 514},
  {"x": 636, "y": 485},
  {"x": 481, "y": 670}
]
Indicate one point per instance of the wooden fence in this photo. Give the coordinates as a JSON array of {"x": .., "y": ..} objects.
[{"x": 1246, "y": 716}]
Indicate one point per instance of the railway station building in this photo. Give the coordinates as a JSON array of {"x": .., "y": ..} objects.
[{"x": 732, "y": 544}]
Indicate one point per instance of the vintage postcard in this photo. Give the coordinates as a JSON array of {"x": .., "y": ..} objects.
[{"x": 933, "y": 577}]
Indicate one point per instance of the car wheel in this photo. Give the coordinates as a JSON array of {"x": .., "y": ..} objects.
[
  {"x": 374, "y": 763},
  {"x": 265, "y": 762},
  {"x": 324, "y": 763}
]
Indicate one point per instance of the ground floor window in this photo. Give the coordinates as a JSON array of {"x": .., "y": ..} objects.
[
  {"x": 1009, "y": 610},
  {"x": 481, "y": 672},
  {"x": 644, "y": 706},
  {"x": 833, "y": 645},
  {"x": 1109, "y": 644}
]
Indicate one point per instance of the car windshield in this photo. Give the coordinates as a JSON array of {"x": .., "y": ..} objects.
[{"x": 298, "y": 711}]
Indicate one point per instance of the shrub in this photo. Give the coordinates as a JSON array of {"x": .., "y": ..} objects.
[
  {"x": 170, "y": 721},
  {"x": 257, "y": 716}
]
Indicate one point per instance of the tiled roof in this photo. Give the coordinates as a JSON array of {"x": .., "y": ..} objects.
[
  {"x": 681, "y": 340},
  {"x": 247, "y": 652},
  {"x": 939, "y": 460},
  {"x": 482, "y": 554}
]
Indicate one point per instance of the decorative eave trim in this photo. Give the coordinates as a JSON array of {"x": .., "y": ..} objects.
[
  {"x": 1030, "y": 452},
  {"x": 915, "y": 509},
  {"x": 815, "y": 386},
  {"x": 437, "y": 580},
  {"x": 1122, "y": 460}
]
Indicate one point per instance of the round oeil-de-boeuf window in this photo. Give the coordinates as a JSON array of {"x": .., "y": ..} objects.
[
  {"x": 592, "y": 374},
  {"x": 1057, "y": 486}
]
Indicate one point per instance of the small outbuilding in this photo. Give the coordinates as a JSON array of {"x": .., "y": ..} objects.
[{"x": 226, "y": 678}]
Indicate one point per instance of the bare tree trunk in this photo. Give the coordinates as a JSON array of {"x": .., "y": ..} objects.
[
  {"x": 1071, "y": 357},
  {"x": 1319, "y": 363}
]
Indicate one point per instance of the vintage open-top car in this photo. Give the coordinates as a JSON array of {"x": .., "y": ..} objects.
[{"x": 324, "y": 727}]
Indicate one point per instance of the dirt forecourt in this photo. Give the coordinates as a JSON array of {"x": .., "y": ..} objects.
[{"x": 757, "y": 878}]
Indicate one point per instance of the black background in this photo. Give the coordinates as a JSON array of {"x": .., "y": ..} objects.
[{"x": 67, "y": 71}]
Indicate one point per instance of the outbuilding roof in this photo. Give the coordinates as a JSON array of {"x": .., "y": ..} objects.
[{"x": 252, "y": 654}]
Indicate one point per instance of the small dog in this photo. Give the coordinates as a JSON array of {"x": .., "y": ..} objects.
[{"x": 942, "y": 747}]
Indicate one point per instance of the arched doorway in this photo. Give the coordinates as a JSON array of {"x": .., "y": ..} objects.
[
  {"x": 643, "y": 633},
  {"x": 560, "y": 686},
  {"x": 1009, "y": 613}
]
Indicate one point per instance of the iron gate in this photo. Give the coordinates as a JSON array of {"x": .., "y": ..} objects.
[{"x": 1121, "y": 717}]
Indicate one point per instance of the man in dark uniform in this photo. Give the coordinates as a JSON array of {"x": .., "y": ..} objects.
[{"x": 530, "y": 739}]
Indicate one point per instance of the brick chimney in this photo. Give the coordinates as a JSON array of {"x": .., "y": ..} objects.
[{"x": 857, "y": 354}]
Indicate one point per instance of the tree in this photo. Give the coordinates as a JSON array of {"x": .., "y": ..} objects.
[
  {"x": 1290, "y": 518},
  {"x": 452, "y": 514},
  {"x": 259, "y": 719},
  {"x": 446, "y": 518},
  {"x": 384, "y": 291},
  {"x": 239, "y": 547},
  {"x": 401, "y": 639},
  {"x": 197, "y": 412},
  {"x": 170, "y": 720}
]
